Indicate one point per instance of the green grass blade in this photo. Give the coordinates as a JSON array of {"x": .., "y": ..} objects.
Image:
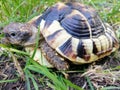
[
  {"x": 111, "y": 88},
  {"x": 37, "y": 43},
  {"x": 33, "y": 80},
  {"x": 34, "y": 83},
  {"x": 51, "y": 85},
  {"x": 13, "y": 50},
  {"x": 27, "y": 80},
  {"x": 72, "y": 85},
  {"x": 18, "y": 6},
  {"x": 116, "y": 68},
  {"x": 90, "y": 84},
  {"x": 8, "y": 81},
  {"x": 38, "y": 68},
  {"x": 31, "y": 67}
]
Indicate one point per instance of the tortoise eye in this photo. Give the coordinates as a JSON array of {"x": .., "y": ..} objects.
[{"x": 13, "y": 34}]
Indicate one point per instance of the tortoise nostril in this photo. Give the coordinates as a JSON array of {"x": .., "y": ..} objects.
[{"x": 7, "y": 35}]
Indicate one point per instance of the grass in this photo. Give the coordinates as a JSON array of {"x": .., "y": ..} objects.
[{"x": 23, "y": 11}]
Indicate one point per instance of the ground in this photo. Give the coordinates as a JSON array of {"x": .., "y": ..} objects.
[{"x": 95, "y": 73}]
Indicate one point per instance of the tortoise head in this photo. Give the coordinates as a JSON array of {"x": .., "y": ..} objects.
[{"x": 20, "y": 34}]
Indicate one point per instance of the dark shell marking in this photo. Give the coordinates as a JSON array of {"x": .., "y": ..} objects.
[{"x": 77, "y": 33}]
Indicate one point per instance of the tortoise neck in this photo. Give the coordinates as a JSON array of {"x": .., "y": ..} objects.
[{"x": 36, "y": 21}]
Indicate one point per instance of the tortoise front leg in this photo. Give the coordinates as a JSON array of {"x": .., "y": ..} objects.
[{"x": 53, "y": 58}]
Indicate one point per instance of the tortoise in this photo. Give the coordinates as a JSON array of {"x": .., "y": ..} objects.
[{"x": 69, "y": 32}]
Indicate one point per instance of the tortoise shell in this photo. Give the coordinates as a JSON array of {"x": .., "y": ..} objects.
[{"x": 77, "y": 33}]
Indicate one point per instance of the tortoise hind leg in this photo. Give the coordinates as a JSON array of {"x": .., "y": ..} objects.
[{"x": 52, "y": 57}]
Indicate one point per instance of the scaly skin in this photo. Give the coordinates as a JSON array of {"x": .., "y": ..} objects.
[{"x": 53, "y": 58}]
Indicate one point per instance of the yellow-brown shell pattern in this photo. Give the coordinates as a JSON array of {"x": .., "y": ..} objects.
[{"x": 77, "y": 33}]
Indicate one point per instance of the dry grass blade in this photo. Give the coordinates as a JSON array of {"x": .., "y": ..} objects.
[
  {"x": 100, "y": 77},
  {"x": 18, "y": 67}
]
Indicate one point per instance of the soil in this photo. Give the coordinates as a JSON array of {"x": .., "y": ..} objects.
[{"x": 8, "y": 71}]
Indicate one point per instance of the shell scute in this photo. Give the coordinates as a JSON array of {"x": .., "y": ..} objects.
[
  {"x": 66, "y": 48},
  {"x": 77, "y": 33},
  {"x": 53, "y": 35},
  {"x": 84, "y": 49},
  {"x": 86, "y": 10},
  {"x": 75, "y": 27},
  {"x": 115, "y": 41}
]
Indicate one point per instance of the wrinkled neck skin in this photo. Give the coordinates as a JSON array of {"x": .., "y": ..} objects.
[
  {"x": 32, "y": 40},
  {"x": 35, "y": 28}
]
